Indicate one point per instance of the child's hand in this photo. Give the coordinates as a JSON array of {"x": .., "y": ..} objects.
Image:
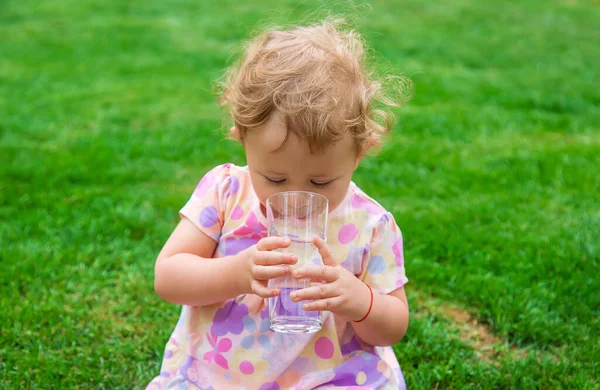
[
  {"x": 260, "y": 265},
  {"x": 341, "y": 292}
]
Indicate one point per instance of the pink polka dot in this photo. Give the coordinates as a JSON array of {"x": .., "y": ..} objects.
[
  {"x": 246, "y": 367},
  {"x": 207, "y": 181},
  {"x": 324, "y": 348},
  {"x": 347, "y": 233},
  {"x": 369, "y": 206},
  {"x": 237, "y": 213},
  {"x": 224, "y": 345},
  {"x": 382, "y": 366},
  {"x": 398, "y": 253}
]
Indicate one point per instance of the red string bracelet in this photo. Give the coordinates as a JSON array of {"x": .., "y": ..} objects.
[{"x": 370, "y": 305}]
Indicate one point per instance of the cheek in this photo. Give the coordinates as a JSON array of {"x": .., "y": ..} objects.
[
  {"x": 261, "y": 189},
  {"x": 336, "y": 195},
  {"x": 335, "y": 200},
  {"x": 262, "y": 193}
]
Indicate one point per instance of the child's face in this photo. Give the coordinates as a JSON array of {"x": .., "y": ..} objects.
[{"x": 293, "y": 168}]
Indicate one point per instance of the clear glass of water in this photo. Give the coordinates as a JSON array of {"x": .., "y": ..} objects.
[{"x": 299, "y": 216}]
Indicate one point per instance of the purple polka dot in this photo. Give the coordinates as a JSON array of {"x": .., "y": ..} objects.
[
  {"x": 264, "y": 341},
  {"x": 324, "y": 348},
  {"x": 249, "y": 323},
  {"x": 247, "y": 342},
  {"x": 209, "y": 216},
  {"x": 234, "y": 185},
  {"x": 346, "y": 373},
  {"x": 270, "y": 386},
  {"x": 376, "y": 265},
  {"x": 246, "y": 367},
  {"x": 286, "y": 304},
  {"x": 264, "y": 325},
  {"x": 351, "y": 346},
  {"x": 264, "y": 313},
  {"x": 233, "y": 246},
  {"x": 347, "y": 233},
  {"x": 353, "y": 262},
  {"x": 237, "y": 213},
  {"x": 229, "y": 319},
  {"x": 168, "y": 354}
]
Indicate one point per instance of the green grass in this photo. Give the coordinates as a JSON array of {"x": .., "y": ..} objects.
[{"x": 107, "y": 121}]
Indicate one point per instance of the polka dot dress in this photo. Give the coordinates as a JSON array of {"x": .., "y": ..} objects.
[{"x": 229, "y": 344}]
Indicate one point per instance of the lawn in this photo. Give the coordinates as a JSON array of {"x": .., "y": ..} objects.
[{"x": 107, "y": 121}]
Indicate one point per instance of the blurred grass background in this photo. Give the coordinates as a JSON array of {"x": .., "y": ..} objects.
[{"x": 107, "y": 121}]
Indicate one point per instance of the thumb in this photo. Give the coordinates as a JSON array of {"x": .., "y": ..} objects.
[{"x": 325, "y": 252}]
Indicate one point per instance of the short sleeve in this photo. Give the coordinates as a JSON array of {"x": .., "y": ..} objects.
[
  {"x": 206, "y": 207},
  {"x": 385, "y": 262}
]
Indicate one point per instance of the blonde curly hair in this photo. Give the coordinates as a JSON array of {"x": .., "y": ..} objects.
[{"x": 316, "y": 78}]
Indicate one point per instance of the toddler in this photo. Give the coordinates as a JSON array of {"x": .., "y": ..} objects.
[{"x": 303, "y": 108}]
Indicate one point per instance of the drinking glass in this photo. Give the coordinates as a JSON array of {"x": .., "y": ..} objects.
[{"x": 299, "y": 216}]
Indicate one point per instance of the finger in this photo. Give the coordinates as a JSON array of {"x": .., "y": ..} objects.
[
  {"x": 325, "y": 252},
  {"x": 327, "y": 304},
  {"x": 317, "y": 272},
  {"x": 264, "y": 292},
  {"x": 271, "y": 243},
  {"x": 275, "y": 258},
  {"x": 270, "y": 272},
  {"x": 320, "y": 291}
]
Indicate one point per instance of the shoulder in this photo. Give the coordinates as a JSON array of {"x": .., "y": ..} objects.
[
  {"x": 228, "y": 178},
  {"x": 360, "y": 201},
  {"x": 358, "y": 219},
  {"x": 226, "y": 172},
  {"x": 223, "y": 190}
]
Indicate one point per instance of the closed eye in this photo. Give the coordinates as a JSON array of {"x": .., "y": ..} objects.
[
  {"x": 320, "y": 184},
  {"x": 275, "y": 181}
]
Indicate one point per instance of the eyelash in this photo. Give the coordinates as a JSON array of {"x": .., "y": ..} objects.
[
  {"x": 280, "y": 182},
  {"x": 319, "y": 185},
  {"x": 276, "y": 182}
]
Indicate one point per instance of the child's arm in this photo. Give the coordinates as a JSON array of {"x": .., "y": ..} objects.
[
  {"x": 387, "y": 322},
  {"x": 345, "y": 295},
  {"x": 185, "y": 272}
]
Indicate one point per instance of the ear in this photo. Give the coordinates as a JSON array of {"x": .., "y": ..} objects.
[
  {"x": 358, "y": 158},
  {"x": 234, "y": 133},
  {"x": 363, "y": 152}
]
